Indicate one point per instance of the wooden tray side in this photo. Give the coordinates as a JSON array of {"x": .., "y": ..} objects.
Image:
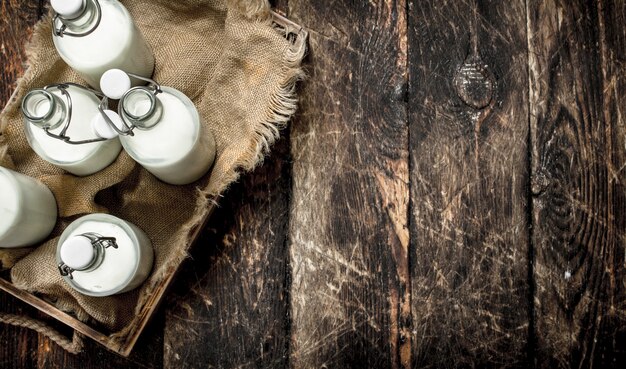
[
  {"x": 295, "y": 33},
  {"x": 146, "y": 312}
]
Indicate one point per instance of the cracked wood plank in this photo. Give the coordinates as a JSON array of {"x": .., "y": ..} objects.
[
  {"x": 230, "y": 305},
  {"x": 468, "y": 109},
  {"x": 577, "y": 83},
  {"x": 230, "y": 308},
  {"x": 18, "y": 346},
  {"x": 348, "y": 225},
  {"x": 236, "y": 315}
]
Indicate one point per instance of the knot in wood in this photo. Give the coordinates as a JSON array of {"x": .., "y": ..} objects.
[{"x": 474, "y": 83}]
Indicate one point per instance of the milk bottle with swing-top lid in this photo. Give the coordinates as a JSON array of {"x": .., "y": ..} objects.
[
  {"x": 28, "y": 210},
  {"x": 102, "y": 255},
  {"x": 57, "y": 120},
  {"x": 93, "y": 36},
  {"x": 160, "y": 128}
]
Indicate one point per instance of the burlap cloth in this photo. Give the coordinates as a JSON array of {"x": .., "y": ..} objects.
[{"x": 239, "y": 70}]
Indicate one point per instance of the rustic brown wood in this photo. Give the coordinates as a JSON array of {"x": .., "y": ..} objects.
[
  {"x": 17, "y": 18},
  {"x": 577, "y": 83},
  {"x": 348, "y": 222},
  {"x": 468, "y": 103},
  {"x": 147, "y": 355},
  {"x": 17, "y": 345},
  {"x": 236, "y": 309},
  {"x": 43, "y": 306},
  {"x": 231, "y": 304},
  {"x": 316, "y": 259}
]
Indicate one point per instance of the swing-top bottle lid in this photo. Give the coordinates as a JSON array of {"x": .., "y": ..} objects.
[
  {"x": 68, "y": 9},
  {"x": 114, "y": 83},
  {"x": 102, "y": 128},
  {"x": 77, "y": 252}
]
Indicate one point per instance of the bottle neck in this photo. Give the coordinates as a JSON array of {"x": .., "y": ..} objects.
[
  {"x": 141, "y": 107},
  {"x": 85, "y": 20},
  {"x": 43, "y": 109},
  {"x": 84, "y": 252}
]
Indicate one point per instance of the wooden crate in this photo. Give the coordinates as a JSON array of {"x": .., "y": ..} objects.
[{"x": 125, "y": 347}]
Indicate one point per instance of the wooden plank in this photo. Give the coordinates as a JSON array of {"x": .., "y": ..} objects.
[
  {"x": 348, "y": 226},
  {"x": 17, "y": 345},
  {"x": 18, "y": 18},
  {"x": 222, "y": 322},
  {"x": 230, "y": 304},
  {"x": 468, "y": 108},
  {"x": 147, "y": 355},
  {"x": 49, "y": 309},
  {"x": 577, "y": 54}
]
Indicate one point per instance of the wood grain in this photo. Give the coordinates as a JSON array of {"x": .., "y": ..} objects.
[
  {"x": 468, "y": 104},
  {"x": 475, "y": 217},
  {"x": 230, "y": 304},
  {"x": 577, "y": 85},
  {"x": 17, "y": 345},
  {"x": 17, "y": 18},
  {"x": 148, "y": 353},
  {"x": 348, "y": 221}
]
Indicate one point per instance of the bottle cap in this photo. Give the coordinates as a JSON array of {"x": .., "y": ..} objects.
[
  {"x": 114, "y": 83},
  {"x": 68, "y": 9},
  {"x": 77, "y": 252},
  {"x": 102, "y": 128}
]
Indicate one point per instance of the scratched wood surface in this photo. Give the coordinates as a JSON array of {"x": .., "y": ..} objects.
[
  {"x": 469, "y": 129},
  {"x": 577, "y": 95},
  {"x": 18, "y": 348},
  {"x": 348, "y": 230},
  {"x": 451, "y": 193}
]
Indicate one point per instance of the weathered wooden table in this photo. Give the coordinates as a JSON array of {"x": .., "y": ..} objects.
[{"x": 451, "y": 193}]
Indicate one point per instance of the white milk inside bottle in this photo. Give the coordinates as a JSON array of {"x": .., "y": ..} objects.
[
  {"x": 168, "y": 139},
  {"x": 101, "y": 255},
  {"x": 93, "y": 36},
  {"x": 28, "y": 210},
  {"x": 49, "y": 108}
]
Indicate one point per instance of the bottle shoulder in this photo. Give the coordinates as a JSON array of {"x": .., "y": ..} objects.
[
  {"x": 174, "y": 136},
  {"x": 115, "y": 30}
]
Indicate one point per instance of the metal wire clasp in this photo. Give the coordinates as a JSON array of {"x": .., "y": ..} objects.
[
  {"x": 99, "y": 243},
  {"x": 151, "y": 91},
  {"x": 62, "y": 30},
  {"x": 68, "y": 116}
]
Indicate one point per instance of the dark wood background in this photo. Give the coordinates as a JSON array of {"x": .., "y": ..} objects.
[{"x": 451, "y": 193}]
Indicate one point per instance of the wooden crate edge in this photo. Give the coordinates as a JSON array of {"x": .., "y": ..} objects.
[{"x": 150, "y": 307}]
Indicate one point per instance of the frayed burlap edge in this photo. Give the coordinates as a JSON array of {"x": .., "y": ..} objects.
[{"x": 282, "y": 107}]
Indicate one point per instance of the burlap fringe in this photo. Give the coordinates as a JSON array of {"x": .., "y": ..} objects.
[
  {"x": 252, "y": 9},
  {"x": 283, "y": 106}
]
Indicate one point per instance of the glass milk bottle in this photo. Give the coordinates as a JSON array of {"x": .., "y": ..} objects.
[
  {"x": 57, "y": 120},
  {"x": 93, "y": 36},
  {"x": 163, "y": 130},
  {"x": 102, "y": 255},
  {"x": 28, "y": 210}
]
